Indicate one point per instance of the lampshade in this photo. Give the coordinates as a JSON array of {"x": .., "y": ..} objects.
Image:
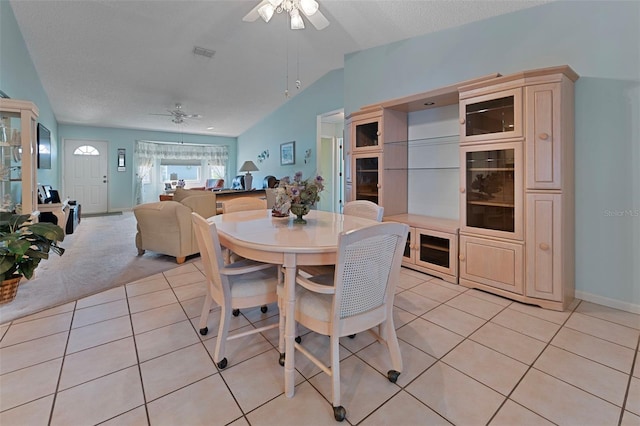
[
  {"x": 309, "y": 7},
  {"x": 266, "y": 12},
  {"x": 249, "y": 166},
  {"x": 296, "y": 20}
]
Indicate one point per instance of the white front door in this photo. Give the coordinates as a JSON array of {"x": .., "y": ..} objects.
[{"x": 85, "y": 166}]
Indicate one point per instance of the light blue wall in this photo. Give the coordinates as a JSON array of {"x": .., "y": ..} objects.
[
  {"x": 120, "y": 195},
  {"x": 19, "y": 80},
  {"x": 600, "y": 40},
  {"x": 295, "y": 121}
]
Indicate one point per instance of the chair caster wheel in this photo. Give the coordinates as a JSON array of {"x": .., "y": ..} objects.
[
  {"x": 264, "y": 309},
  {"x": 222, "y": 364},
  {"x": 392, "y": 375},
  {"x": 298, "y": 339},
  {"x": 235, "y": 312},
  {"x": 281, "y": 360},
  {"x": 352, "y": 336},
  {"x": 204, "y": 331},
  {"x": 339, "y": 413}
]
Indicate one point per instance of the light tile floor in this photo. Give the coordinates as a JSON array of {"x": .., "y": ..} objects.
[{"x": 133, "y": 356}]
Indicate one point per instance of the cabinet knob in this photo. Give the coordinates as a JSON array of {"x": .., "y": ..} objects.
[
  {"x": 462, "y": 258},
  {"x": 544, "y": 246},
  {"x": 544, "y": 136},
  {"x": 462, "y": 120},
  {"x": 378, "y": 133},
  {"x": 462, "y": 190}
]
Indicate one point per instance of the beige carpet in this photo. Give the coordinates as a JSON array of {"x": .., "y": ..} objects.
[{"x": 99, "y": 255}]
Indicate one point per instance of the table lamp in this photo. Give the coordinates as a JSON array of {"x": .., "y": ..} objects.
[{"x": 248, "y": 166}]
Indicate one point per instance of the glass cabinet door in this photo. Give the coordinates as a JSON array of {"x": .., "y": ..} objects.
[
  {"x": 366, "y": 177},
  {"x": 18, "y": 123},
  {"x": 366, "y": 134},
  {"x": 494, "y": 116},
  {"x": 492, "y": 189},
  {"x": 10, "y": 162}
]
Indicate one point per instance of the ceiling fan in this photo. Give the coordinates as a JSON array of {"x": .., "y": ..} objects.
[
  {"x": 295, "y": 8},
  {"x": 178, "y": 115}
]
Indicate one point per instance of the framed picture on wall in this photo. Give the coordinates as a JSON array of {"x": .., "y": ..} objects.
[{"x": 288, "y": 153}]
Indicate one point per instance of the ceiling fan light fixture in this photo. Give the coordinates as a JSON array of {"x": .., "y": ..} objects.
[
  {"x": 296, "y": 20},
  {"x": 309, "y": 7},
  {"x": 275, "y": 3},
  {"x": 266, "y": 11}
]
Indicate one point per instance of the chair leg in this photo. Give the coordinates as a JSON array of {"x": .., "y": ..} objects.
[
  {"x": 338, "y": 411},
  {"x": 204, "y": 315},
  {"x": 223, "y": 333},
  {"x": 391, "y": 340}
]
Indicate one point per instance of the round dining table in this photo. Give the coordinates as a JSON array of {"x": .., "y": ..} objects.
[{"x": 257, "y": 235}]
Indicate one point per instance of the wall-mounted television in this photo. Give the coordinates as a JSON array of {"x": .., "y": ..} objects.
[{"x": 44, "y": 147}]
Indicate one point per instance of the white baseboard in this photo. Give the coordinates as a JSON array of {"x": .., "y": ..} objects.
[{"x": 611, "y": 303}]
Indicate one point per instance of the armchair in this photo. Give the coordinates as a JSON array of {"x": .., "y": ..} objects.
[{"x": 166, "y": 227}]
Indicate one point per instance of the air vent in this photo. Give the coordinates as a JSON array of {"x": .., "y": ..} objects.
[{"x": 203, "y": 52}]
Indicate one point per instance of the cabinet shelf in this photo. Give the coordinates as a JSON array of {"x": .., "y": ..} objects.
[
  {"x": 508, "y": 108},
  {"x": 491, "y": 169},
  {"x": 434, "y": 247},
  {"x": 423, "y": 168},
  {"x": 438, "y": 140},
  {"x": 491, "y": 203}
]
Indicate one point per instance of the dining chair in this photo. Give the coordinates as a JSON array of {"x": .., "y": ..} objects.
[
  {"x": 242, "y": 204},
  {"x": 237, "y": 205},
  {"x": 357, "y": 297},
  {"x": 242, "y": 284},
  {"x": 364, "y": 208},
  {"x": 361, "y": 208}
]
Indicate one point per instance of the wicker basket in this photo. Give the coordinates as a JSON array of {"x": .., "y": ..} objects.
[{"x": 9, "y": 289}]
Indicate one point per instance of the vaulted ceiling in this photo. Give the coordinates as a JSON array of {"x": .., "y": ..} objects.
[{"x": 116, "y": 63}]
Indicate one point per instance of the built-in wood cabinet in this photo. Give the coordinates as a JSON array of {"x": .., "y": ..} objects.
[
  {"x": 377, "y": 171},
  {"x": 432, "y": 245},
  {"x": 516, "y": 183},
  {"x": 517, "y": 194},
  {"x": 18, "y": 149}
]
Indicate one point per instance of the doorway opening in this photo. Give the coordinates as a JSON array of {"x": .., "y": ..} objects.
[{"x": 330, "y": 159}]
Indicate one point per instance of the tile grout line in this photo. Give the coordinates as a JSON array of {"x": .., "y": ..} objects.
[
  {"x": 530, "y": 367},
  {"x": 64, "y": 357},
  {"x": 626, "y": 394}
]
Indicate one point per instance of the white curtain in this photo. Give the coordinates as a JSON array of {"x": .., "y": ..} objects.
[{"x": 147, "y": 153}]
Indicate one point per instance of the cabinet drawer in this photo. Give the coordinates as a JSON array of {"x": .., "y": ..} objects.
[{"x": 495, "y": 263}]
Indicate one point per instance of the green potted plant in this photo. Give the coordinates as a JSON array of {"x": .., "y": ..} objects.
[{"x": 23, "y": 244}]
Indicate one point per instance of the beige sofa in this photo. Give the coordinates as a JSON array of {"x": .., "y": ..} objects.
[{"x": 165, "y": 226}]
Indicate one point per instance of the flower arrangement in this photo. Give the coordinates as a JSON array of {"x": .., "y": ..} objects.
[{"x": 297, "y": 192}]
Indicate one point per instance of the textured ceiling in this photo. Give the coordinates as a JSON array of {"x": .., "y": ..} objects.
[{"x": 115, "y": 63}]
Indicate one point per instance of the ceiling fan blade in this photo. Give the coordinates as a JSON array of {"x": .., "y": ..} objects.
[
  {"x": 253, "y": 13},
  {"x": 317, "y": 19},
  {"x": 165, "y": 115},
  {"x": 192, "y": 116}
]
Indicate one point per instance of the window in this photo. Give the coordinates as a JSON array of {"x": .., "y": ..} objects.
[
  {"x": 86, "y": 150},
  {"x": 188, "y": 170}
]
